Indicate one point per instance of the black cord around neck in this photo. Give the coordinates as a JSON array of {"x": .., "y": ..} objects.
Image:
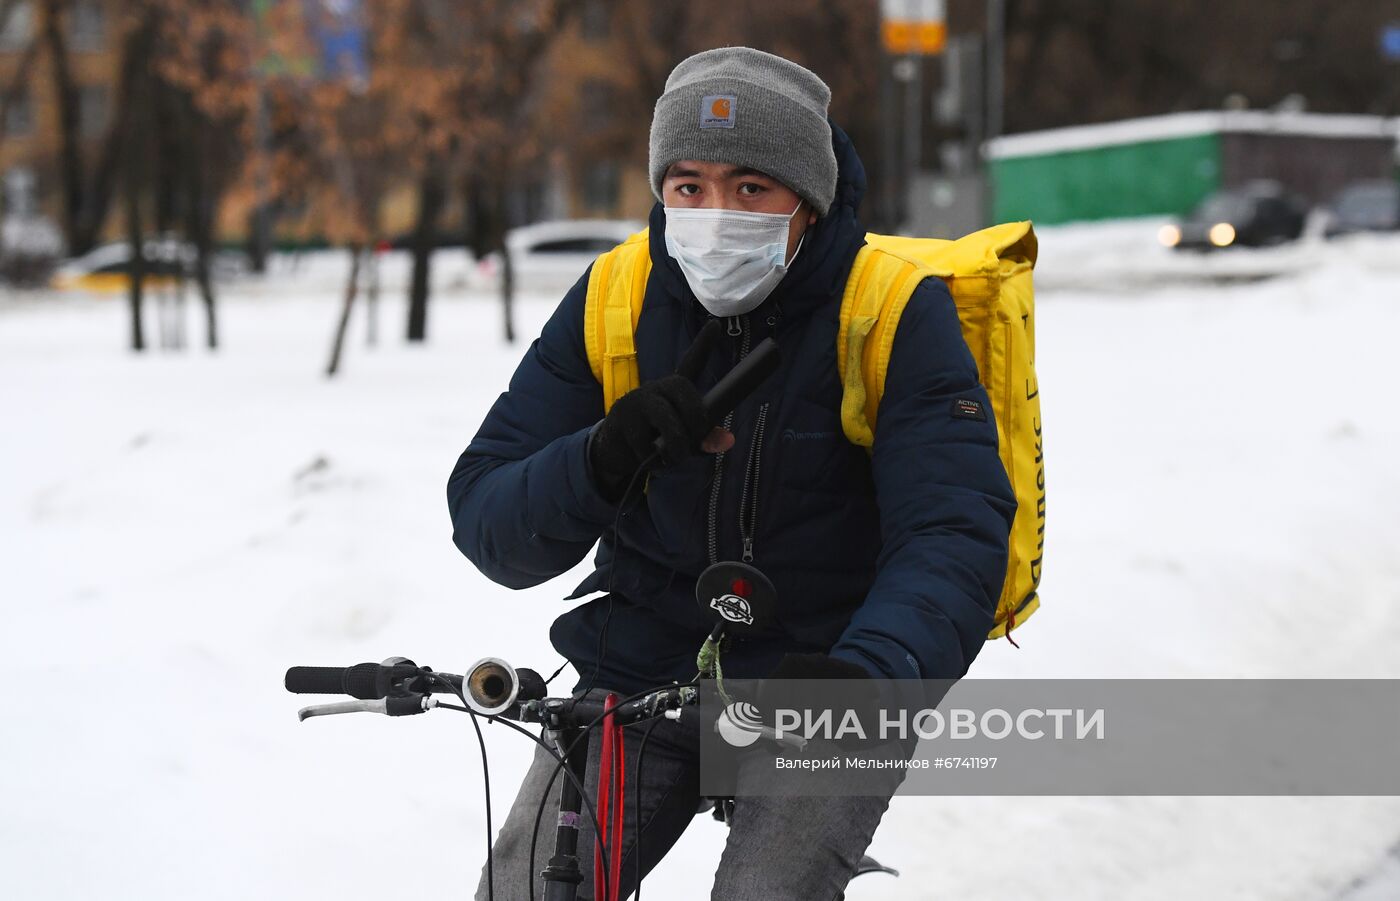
[{"x": 602, "y": 648}]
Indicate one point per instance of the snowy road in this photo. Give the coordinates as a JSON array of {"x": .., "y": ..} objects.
[{"x": 178, "y": 529}]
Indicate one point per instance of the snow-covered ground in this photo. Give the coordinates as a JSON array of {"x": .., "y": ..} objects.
[{"x": 179, "y": 528}]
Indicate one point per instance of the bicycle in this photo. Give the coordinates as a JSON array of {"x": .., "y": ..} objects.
[{"x": 493, "y": 689}]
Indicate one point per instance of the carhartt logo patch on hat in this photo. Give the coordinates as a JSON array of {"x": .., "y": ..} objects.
[{"x": 717, "y": 111}]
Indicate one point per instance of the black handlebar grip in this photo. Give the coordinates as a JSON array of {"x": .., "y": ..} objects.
[
  {"x": 316, "y": 680},
  {"x": 367, "y": 681}
]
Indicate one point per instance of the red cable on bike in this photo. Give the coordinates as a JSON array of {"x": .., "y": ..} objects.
[{"x": 611, "y": 782}]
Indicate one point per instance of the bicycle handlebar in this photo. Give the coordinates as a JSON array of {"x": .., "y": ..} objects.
[
  {"x": 492, "y": 688},
  {"x": 399, "y": 687}
]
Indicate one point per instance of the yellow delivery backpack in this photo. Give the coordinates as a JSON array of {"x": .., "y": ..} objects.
[{"x": 989, "y": 275}]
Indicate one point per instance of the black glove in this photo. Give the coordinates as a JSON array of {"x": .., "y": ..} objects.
[
  {"x": 670, "y": 408},
  {"x": 856, "y": 692}
]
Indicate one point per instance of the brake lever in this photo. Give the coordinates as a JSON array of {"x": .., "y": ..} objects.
[
  {"x": 387, "y": 706},
  {"x": 378, "y": 706}
]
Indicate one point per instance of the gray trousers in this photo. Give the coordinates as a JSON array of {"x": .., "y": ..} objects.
[{"x": 800, "y": 848}]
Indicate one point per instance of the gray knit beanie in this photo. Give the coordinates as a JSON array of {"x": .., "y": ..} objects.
[{"x": 748, "y": 108}]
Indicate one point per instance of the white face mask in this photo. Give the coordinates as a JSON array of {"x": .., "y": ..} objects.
[{"x": 731, "y": 259}]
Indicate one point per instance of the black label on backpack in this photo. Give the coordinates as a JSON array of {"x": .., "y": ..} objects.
[{"x": 969, "y": 409}]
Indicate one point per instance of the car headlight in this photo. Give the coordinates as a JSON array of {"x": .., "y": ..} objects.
[
  {"x": 1222, "y": 234},
  {"x": 1169, "y": 235}
]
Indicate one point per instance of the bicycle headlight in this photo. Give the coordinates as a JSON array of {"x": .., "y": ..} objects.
[{"x": 490, "y": 686}]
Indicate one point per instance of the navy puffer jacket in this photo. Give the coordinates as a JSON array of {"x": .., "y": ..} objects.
[{"x": 892, "y": 560}]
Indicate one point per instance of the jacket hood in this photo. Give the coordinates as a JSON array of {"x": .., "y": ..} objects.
[{"x": 828, "y": 247}]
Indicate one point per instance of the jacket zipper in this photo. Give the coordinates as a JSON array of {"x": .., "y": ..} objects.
[
  {"x": 735, "y": 327},
  {"x": 712, "y": 530},
  {"x": 748, "y": 500}
]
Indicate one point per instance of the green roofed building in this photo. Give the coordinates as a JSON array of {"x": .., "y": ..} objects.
[{"x": 1164, "y": 165}]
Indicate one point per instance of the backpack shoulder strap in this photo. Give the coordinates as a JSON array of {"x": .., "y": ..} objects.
[
  {"x": 617, "y": 286},
  {"x": 877, "y": 290}
]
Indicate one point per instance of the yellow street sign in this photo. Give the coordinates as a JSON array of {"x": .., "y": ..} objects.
[{"x": 913, "y": 26}]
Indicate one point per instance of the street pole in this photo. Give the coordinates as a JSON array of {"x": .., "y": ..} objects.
[
  {"x": 889, "y": 148},
  {"x": 913, "y": 126},
  {"x": 996, "y": 86}
]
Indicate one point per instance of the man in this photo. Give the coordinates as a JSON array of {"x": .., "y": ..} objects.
[{"x": 886, "y": 564}]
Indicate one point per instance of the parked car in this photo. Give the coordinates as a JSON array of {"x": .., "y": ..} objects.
[
  {"x": 107, "y": 267},
  {"x": 550, "y": 256},
  {"x": 1259, "y": 214},
  {"x": 1364, "y": 206}
]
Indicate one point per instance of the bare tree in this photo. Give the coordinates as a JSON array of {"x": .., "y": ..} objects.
[
  {"x": 206, "y": 83},
  {"x": 358, "y": 163},
  {"x": 462, "y": 76},
  {"x": 332, "y": 134},
  {"x": 182, "y": 101},
  {"x": 352, "y": 287},
  {"x": 135, "y": 88},
  {"x": 87, "y": 187}
]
